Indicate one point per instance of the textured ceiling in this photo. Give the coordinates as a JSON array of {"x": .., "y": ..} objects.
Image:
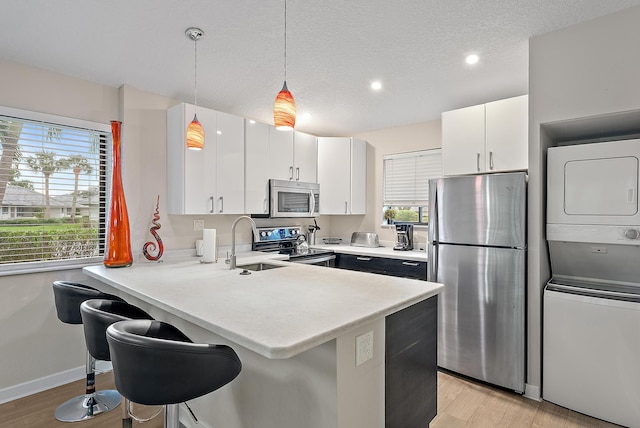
[{"x": 335, "y": 48}]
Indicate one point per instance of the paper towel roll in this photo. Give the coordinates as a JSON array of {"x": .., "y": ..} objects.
[{"x": 209, "y": 245}]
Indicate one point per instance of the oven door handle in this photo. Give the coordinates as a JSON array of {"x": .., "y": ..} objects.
[{"x": 313, "y": 260}]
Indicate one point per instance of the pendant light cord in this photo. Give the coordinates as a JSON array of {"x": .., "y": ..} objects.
[
  {"x": 285, "y": 40},
  {"x": 195, "y": 73}
]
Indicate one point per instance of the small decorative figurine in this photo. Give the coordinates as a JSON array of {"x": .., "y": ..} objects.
[{"x": 151, "y": 246}]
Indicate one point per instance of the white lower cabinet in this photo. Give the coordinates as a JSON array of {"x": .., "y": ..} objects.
[
  {"x": 208, "y": 181},
  {"x": 342, "y": 174}
]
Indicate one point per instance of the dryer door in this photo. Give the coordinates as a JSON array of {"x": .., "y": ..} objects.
[
  {"x": 601, "y": 187},
  {"x": 594, "y": 184}
]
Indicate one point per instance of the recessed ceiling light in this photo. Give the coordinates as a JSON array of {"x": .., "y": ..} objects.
[
  {"x": 376, "y": 86},
  {"x": 252, "y": 121},
  {"x": 305, "y": 116},
  {"x": 472, "y": 59},
  {"x": 219, "y": 132}
]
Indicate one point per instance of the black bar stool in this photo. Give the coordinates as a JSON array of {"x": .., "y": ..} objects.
[
  {"x": 97, "y": 315},
  {"x": 154, "y": 363},
  {"x": 68, "y": 297}
]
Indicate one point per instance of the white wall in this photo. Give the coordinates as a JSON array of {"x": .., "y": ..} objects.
[
  {"x": 33, "y": 343},
  {"x": 586, "y": 70}
]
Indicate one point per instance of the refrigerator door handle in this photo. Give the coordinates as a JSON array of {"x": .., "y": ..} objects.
[
  {"x": 432, "y": 263},
  {"x": 433, "y": 211},
  {"x": 432, "y": 249}
]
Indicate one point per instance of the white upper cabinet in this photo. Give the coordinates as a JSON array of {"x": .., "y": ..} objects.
[
  {"x": 305, "y": 157},
  {"x": 342, "y": 174},
  {"x": 280, "y": 164},
  {"x": 208, "y": 181},
  {"x": 463, "y": 140},
  {"x": 293, "y": 155},
  {"x": 281, "y": 155},
  {"x": 256, "y": 167},
  {"x": 489, "y": 137},
  {"x": 229, "y": 164},
  {"x": 507, "y": 134}
]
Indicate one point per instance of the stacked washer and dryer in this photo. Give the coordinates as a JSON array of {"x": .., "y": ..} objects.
[{"x": 591, "y": 306}]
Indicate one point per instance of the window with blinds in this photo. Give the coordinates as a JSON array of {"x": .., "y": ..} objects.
[
  {"x": 53, "y": 175},
  {"x": 406, "y": 185}
]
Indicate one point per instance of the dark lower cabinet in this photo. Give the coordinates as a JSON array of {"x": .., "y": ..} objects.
[
  {"x": 411, "y": 383},
  {"x": 383, "y": 266}
]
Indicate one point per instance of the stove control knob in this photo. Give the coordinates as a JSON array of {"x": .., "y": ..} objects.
[
  {"x": 263, "y": 234},
  {"x": 632, "y": 234}
]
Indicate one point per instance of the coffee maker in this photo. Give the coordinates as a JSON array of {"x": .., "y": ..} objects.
[{"x": 404, "y": 234}]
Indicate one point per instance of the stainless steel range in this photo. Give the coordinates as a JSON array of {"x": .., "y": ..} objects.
[{"x": 284, "y": 240}]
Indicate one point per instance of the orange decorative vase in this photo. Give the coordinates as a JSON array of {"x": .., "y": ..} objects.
[{"x": 118, "y": 251}]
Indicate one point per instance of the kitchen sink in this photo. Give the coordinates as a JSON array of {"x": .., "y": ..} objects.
[{"x": 258, "y": 266}]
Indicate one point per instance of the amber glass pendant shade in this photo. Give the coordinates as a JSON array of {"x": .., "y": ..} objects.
[
  {"x": 118, "y": 251},
  {"x": 284, "y": 110},
  {"x": 195, "y": 135}
]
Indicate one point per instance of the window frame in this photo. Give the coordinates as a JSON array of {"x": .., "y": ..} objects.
[
  {"x": 422, "y": 209},
  {"x": 105, "y": 152}
]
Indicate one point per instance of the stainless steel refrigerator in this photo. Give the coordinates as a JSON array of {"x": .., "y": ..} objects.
[{"x": 477, "y": 249}]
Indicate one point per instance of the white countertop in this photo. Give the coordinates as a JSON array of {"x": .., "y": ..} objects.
[
  {"x": 388, "y": 252},
  {"x": 277, "y": 313}
]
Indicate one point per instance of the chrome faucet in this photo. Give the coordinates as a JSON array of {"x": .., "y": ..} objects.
[{"x": 232, "y": 259}]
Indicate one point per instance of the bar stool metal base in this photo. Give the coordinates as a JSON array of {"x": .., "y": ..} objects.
[
  {"x": 87, "y": 406},
  {"x": 171, "y": 416}
]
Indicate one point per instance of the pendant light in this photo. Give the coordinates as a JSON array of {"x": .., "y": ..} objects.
[
  {"x": 195, "y": 132},
  {"x": 284, "y": 109}
]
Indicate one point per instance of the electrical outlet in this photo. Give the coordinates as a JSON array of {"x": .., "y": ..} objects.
[
  {"x": 364, "y": 348},
  {"x": 198, "y": 224}
]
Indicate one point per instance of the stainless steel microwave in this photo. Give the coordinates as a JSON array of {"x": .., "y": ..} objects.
[{"x": 293, "y": 199}]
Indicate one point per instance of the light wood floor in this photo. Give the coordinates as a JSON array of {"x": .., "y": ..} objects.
[
  {"x": 36, "y": 411},
  {"x": 461, "y": 404}
]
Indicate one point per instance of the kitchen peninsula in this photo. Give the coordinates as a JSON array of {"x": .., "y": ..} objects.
[{"x": 319, "y": 347}]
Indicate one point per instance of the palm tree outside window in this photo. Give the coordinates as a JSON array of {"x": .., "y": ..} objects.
[{"x": 53, "y": 199}]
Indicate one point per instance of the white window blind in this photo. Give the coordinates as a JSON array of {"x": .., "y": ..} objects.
[
  {"x": 53, "y": 175},
  {"x": 407, "y": 175}
]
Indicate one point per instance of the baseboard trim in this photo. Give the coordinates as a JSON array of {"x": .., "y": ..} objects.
[
  {"x": 532, "y": 392},
  {"x": 42, "y": 384}
]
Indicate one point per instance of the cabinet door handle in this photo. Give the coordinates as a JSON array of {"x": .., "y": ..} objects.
[
  {"x": 410, "y": 264},
  {"x": 221, "y": 204},
  {"x": 364, "y": 259},
  {"x": 264, "y": 206},
  {"x": 298, "y": 174},
  {"x": 212, "y": 208},
  {"x": 291, "y": 173},
  {"x": 478, "y": 161},
  {"x": 345, "y": 207},
  {"x": 490, "y": 160}
]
